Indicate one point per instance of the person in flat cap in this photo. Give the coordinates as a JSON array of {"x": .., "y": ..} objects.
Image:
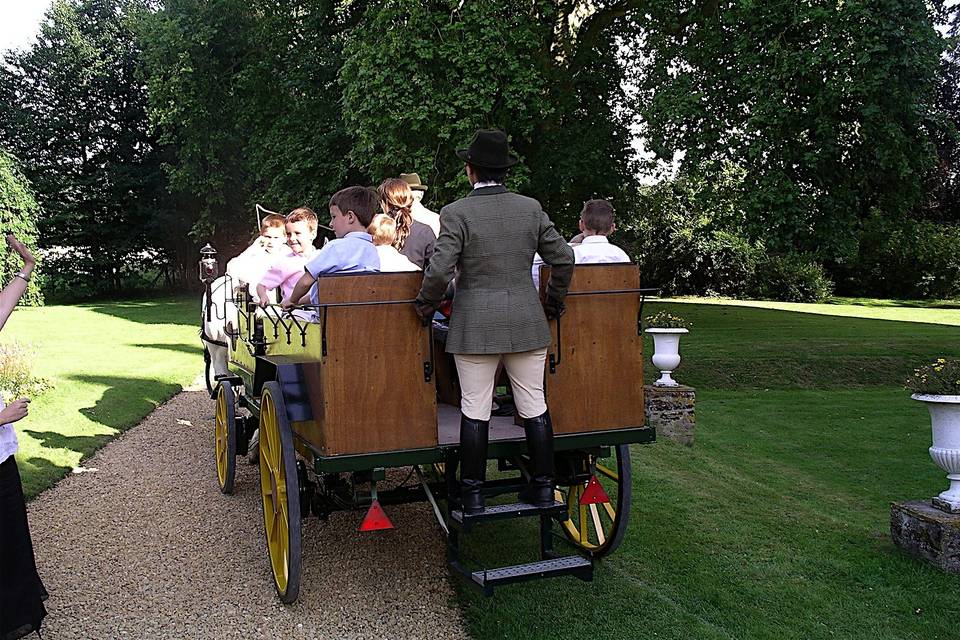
[
  {"x": 489, "y": 238},
  {"x": 419, "y": 212}
]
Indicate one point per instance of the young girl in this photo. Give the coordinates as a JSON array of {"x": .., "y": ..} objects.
[
  {"x": 21, "y": 591},
  {"x": 414, "y": 239}
]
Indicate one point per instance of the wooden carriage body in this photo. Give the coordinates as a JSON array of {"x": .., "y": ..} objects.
[{"x": 361, "y": 377}]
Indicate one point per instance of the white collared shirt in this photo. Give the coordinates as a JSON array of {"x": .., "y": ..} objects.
[
  {"x": 424, "y": 216},
  {"x": 8, "y": 439},
  {"x": 488, "y": 183},
  {"x": 592, "y": 250}
]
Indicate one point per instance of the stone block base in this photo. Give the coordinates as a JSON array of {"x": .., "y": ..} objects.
[
  {"x": 671, "y": 411},
  {"x": 943, "y": 505},
  {"x": 928, "y": 533}
]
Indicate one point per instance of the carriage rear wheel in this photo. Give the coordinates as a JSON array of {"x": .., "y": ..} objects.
[
  {"x": 598, "y": 529},
  {"x": 280, "y": 488},
  {"x": 225, "y": 433}
]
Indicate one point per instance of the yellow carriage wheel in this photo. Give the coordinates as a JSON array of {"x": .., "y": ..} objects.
[
  {"x": 225, "y": 436},
  {"x": 598, "y": 529},
  {"x": 280, "y": 488}
]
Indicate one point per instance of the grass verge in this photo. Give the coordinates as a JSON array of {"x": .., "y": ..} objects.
[{"x": 111, "y": 364}]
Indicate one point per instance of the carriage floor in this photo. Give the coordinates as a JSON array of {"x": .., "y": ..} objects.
[{"x": 448, "y": 426}]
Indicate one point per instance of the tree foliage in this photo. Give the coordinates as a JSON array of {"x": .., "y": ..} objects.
[
  {"x": 826, "y": 106},
  {"x": 73, "y": 109},
  {"x": 18, "y": 215}
]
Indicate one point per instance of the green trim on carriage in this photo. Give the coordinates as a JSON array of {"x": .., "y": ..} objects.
[{"x": 497, "y": 449}]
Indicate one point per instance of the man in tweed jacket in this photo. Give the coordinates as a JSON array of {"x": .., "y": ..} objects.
[{"x": 490, "y": 238}]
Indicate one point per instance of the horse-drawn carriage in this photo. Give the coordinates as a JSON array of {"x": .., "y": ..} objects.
[{"x": 346, "y": 397}]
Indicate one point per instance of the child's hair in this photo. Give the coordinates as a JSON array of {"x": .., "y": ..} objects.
[
  {"x": 361, "y": 200},
  {"x": 270, "y": 221},
  {"x": 303, "y": 214},
  {"x": 383, "y": 229},
  {"x": 397, "y": 197},
  {"x": 597, "y": 216}
]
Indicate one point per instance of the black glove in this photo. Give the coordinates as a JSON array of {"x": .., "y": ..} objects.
[
  {"x": 553, "y": 308},
  {"x": 425, "y": 310}
]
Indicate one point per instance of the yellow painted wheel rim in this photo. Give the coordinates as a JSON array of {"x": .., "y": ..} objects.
[
  {"x": 591, "y": 526},
  {"x": 273, "y": 486},
  {"x": 220, "y": 433}
]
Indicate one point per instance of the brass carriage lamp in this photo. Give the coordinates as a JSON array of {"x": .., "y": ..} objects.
[{"x": 208, "y": 264}]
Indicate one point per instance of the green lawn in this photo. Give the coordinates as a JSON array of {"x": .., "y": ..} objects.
[
  {"x": 111, "y": 364},
  {"x": 776, "y": 524}
]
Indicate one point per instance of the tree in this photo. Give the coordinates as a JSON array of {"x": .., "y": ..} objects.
[
  {"x": 244, "y": 94},
  {"x": 18, "y": 215},
  {"x": 943, "y": 202},
  {"x": 420, "y": 77},
  {"x": 74, "y": 111},
  {"x": 827, "y": 107}
]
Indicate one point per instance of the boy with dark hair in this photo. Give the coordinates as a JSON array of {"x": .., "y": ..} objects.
[{"x": 351, "y": 211}]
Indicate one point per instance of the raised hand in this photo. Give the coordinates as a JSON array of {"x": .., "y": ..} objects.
[{"x": 21, "y": 249}]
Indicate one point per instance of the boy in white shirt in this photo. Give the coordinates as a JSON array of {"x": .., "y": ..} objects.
[
  {"x": 596, "y": 223},
  {"x": 252, "y": 264}
]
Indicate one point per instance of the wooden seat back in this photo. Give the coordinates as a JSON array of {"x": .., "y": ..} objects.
[
  {"x": 368, "y": 392},
  {"x": 597, "y": 383}
]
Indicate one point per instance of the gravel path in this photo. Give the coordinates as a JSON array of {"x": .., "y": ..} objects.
[{"x": 144, "y": 545}]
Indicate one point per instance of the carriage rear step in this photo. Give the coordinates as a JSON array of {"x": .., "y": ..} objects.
[
  {"x": 506, "y": 511},
  {"x": 576, "y": 566}
]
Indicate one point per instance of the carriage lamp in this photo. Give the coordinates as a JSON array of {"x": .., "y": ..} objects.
[{"x": 208, "y": 264}]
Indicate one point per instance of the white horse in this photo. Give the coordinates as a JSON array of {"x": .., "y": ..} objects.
[{"x": 216, "y": 312}]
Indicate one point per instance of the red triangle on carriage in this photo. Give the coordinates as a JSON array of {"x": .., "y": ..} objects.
[
  {"x": 594, "y": 493},
  {"x": 376, "y": 518}
]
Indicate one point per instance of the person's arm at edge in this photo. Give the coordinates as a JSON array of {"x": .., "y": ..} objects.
[
  {"x": 12, "y": 293},
  {"x": 446, "y": 255},
  {"x": 301, "y": 289},
  {"x": 559, "y": 255}
]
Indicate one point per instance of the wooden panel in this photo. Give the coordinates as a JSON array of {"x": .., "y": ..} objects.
[
  {"x": 369, "y": 393},
  {"x": 598, "y": 384}
]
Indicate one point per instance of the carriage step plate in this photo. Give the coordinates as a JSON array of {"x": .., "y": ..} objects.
[
  {"x": 576, "y": 566},
  {"x": 505, "y": 512}
]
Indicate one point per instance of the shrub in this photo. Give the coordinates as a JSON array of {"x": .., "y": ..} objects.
[
  {"x": 665, "y": 320},
  {"x": 940, "y": 378},
  {"x": 792, "y": 277},
  {"x": 18, "y": 214},
  {"x": 16, "y": 376}
]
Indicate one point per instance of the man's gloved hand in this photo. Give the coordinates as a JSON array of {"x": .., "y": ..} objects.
[
  {"x": 425, "y": 310},
  {"x": 553, "y": 308}
]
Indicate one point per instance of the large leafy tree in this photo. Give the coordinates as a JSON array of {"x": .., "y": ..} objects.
[
  {"x": 244, "y": 93},
  {"x": 943, "y": 204},
  {"x": 420, "y": 77},
  {"x": 73, "y": 109},
  {"x": 826, "y": 106}
]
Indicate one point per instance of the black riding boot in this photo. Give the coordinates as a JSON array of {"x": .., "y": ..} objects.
[
  {"x": 473, "y": 462},
  {"x": 539, "y": 431}
]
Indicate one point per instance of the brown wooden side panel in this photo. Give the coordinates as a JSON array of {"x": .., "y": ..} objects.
[
  {"x": 374, "y": 394},
  {"x": 598, "y": 384}
]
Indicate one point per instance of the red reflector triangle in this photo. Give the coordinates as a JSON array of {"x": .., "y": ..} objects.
[
  {"x": 376, "y": 518},
  {"x": 594, "y": 493}
]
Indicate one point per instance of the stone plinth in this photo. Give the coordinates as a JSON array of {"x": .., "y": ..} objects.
[
  {"x": 671, "y": 411},
  {"x": 928, "y": 533}
]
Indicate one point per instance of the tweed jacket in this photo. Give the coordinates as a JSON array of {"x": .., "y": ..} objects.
[{"x": 489, "y": 239}]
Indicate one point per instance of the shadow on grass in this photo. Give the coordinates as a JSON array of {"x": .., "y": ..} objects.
[
  {"x": 182, "y": 348},
  {"x": 181, "y": 310},
  {"x": 126, "y": 401},
  {"x": 38, "y": 474}
]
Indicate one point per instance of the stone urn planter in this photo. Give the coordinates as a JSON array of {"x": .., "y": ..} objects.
[
  {"x": 945, "y": 419},
  {"x": 666, "y": 353}
]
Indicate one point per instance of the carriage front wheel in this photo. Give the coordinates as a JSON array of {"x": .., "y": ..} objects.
[
  {"x": 598, "y": 528},
  {"x": 225, "y": 435},
  {"x": 280, "y": 488}
]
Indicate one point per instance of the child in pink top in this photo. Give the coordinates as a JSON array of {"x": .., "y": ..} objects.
[{"x": 301, "y": 227}]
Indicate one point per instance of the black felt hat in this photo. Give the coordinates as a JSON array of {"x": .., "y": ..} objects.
[{"x": 489, "y": 149}]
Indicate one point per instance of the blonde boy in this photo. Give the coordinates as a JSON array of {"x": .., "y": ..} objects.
[
  {"x": 253, "y": 262},
  {"x": 301, "y": 228}
]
